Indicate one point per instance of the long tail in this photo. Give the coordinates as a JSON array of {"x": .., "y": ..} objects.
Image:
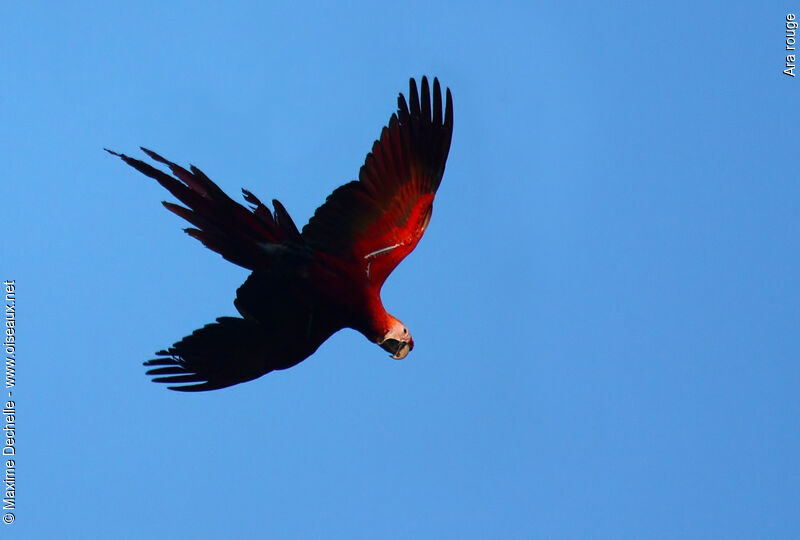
[
  {"x": 221, "y": 354},
  {"x": 237, "y": 233}
]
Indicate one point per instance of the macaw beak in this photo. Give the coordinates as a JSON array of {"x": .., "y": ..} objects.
[{"x": 398, "y": 349}]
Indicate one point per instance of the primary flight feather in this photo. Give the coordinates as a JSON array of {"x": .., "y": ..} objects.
[{"x": 305, "y": 286}]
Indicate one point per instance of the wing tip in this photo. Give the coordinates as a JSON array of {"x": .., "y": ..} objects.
[
  {"x": 151, "y": 154},
  {"x": 419, "y": 101}
]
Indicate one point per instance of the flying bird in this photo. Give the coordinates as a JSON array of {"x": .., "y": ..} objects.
[{"x": 305, "y": 286}]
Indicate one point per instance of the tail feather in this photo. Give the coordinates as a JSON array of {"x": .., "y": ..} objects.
[{"x": 227, "y": 352}]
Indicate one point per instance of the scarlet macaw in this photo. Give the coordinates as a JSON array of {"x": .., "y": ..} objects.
[{"x": 305, "y": 286}]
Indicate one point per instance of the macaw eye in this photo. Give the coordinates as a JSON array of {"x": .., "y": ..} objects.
[{"x": 405, "y": 331}]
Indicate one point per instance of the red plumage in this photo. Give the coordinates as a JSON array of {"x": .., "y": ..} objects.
[{"x": 306, "y": 286}]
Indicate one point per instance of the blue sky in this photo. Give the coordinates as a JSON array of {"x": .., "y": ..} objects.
[{"x": 605, "y": 305}]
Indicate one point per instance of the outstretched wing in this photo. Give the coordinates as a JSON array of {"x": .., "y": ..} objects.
[
  {"x": 375, "y": 221},
  {"x": 237, "y": 233}
]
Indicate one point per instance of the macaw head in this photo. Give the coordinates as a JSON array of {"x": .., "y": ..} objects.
[{"x": 397, "y": 339}]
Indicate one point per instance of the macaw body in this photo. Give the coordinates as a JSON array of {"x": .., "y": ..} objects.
[{"x": 305, "y": 286}]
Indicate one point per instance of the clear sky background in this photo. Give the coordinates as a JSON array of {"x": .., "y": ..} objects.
[{"x": 605, "y": 306}]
